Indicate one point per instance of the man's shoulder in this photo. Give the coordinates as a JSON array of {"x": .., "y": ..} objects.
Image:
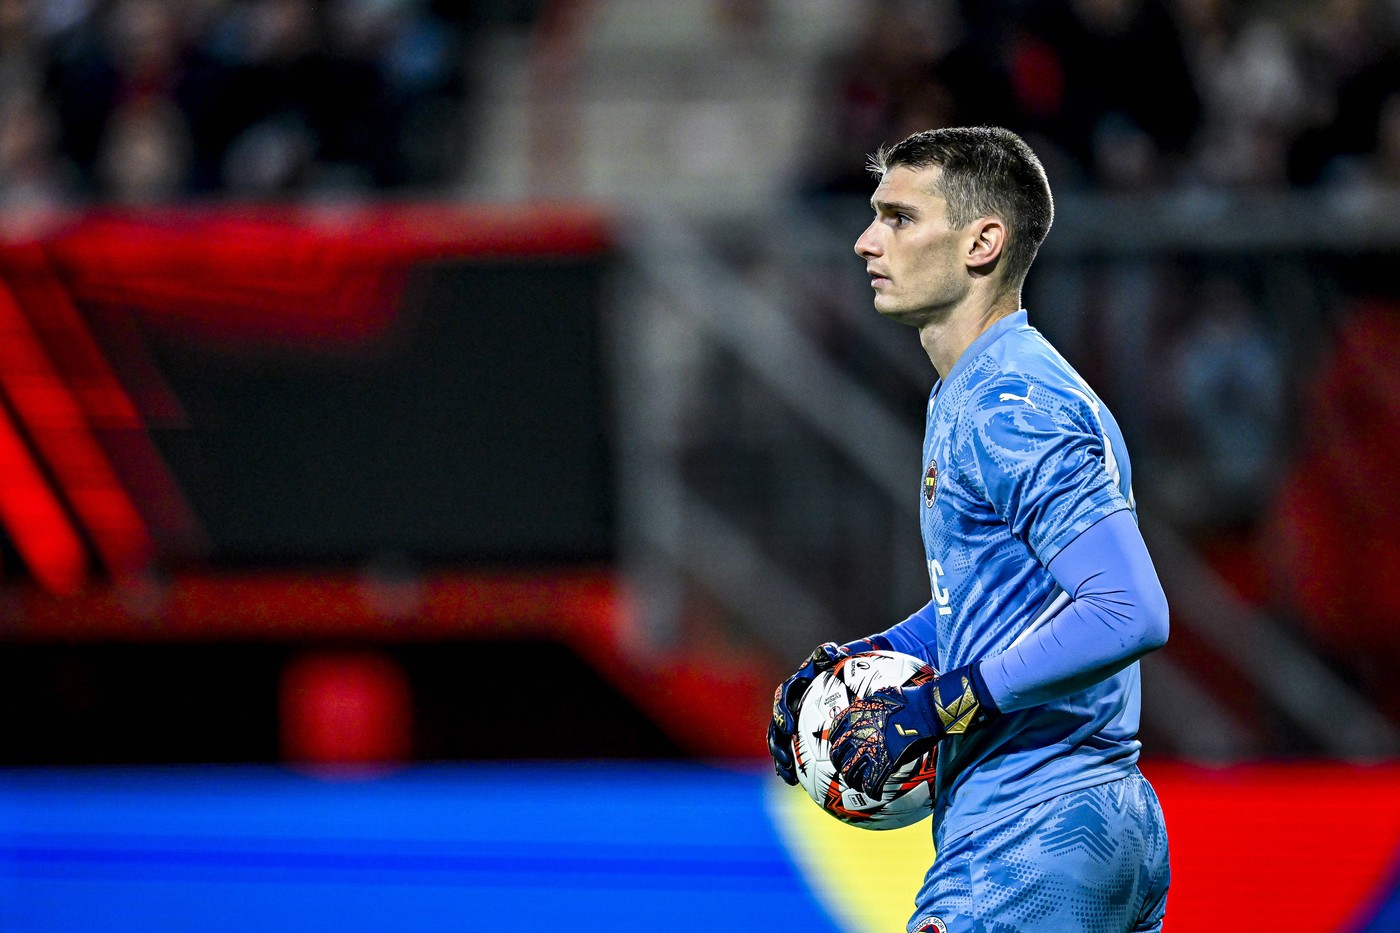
[
  {"x": 1015, "y": 374},
  {"x": 1025, "y": 353}
]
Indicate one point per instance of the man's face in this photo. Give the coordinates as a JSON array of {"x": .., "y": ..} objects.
[{"x": 914, "y": 259}]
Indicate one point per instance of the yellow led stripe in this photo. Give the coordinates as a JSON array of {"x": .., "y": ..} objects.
[{"x": 866, "y": 879}]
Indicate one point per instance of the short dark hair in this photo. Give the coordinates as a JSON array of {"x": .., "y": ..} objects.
[{"x": 987, "y": 172}]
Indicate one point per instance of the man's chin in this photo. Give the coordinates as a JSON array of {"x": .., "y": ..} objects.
[{"x": 897, "y": 312}]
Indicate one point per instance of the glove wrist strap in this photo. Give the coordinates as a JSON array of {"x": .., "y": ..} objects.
[{"x": 961, "y": 701}]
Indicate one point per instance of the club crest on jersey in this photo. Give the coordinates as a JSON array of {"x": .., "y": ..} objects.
[
  {"x": 932, "y": 925},
  {"x": 930, "y": 483}
]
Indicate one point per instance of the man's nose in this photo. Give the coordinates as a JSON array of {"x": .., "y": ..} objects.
[{"x": 868, "y": 244}]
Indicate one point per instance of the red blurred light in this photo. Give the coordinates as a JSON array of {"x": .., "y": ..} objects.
[
  {"x": 35, "y": 519},
  {"x": 55, "y": 422},
  {"x": 345, "y": 708}
]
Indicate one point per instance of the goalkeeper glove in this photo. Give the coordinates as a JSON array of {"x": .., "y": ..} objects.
[
  {"x": 787, "y": 699},
  {"x": 878, "y": 732}
]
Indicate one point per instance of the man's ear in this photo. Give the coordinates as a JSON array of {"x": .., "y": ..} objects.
[{"x": 988, "y": 239}]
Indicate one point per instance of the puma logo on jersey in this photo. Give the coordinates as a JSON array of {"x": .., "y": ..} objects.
[{"x": 1008, "y": 396}]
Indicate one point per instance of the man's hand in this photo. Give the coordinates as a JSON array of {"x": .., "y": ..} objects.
[
  {"x": 880, "y": 731},
  {"x": 786, "y": 700}
]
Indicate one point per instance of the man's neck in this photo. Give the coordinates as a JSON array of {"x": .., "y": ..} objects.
[{"x": 945, "y": 338}]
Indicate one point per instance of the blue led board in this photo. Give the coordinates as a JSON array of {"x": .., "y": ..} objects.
[{"x": 494, "y": 848}]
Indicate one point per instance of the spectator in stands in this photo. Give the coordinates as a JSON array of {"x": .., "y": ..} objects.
[
  {"x": 1350, "y": 48},
  {"x": 34, "y": 175},
  {"x": 34, "y": 178},
  {"x": 420, "y": 64},
  {"x": 129, "y": 53},
  {"x": 145, "y": 154},
  {"x": 22, "y": 53},
  {"x": 1256, "y": 98},
  {"x": 884, "y": 88},
  {"x": 255, "y": 128},
  {"x": 1231, "y": 380},
  {"x": 1126, "y": 110},
  {"x": 1380, "y": 167}
]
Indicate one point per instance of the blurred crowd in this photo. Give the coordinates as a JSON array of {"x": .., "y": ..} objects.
[
  {"x": 149, "y": 100},
  {"x": 146, "y": 101},
  {"x": 1134, "y": 94}
]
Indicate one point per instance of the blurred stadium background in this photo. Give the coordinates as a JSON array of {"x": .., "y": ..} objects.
[{"x": 428, "y": 430}]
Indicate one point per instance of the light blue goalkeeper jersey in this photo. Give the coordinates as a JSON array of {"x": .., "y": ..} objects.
[{"x": 1020, "y": 457}]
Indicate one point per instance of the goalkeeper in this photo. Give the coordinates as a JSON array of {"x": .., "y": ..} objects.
[{"x": 1043, "y": 594}]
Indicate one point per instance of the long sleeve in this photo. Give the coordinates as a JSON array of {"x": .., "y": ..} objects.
[
  {"x": 916, "y": 635},
  {"x": 1117, "y": 613}
]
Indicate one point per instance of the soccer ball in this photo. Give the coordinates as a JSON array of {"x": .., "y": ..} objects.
[{"x": 908, "y": 794}]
